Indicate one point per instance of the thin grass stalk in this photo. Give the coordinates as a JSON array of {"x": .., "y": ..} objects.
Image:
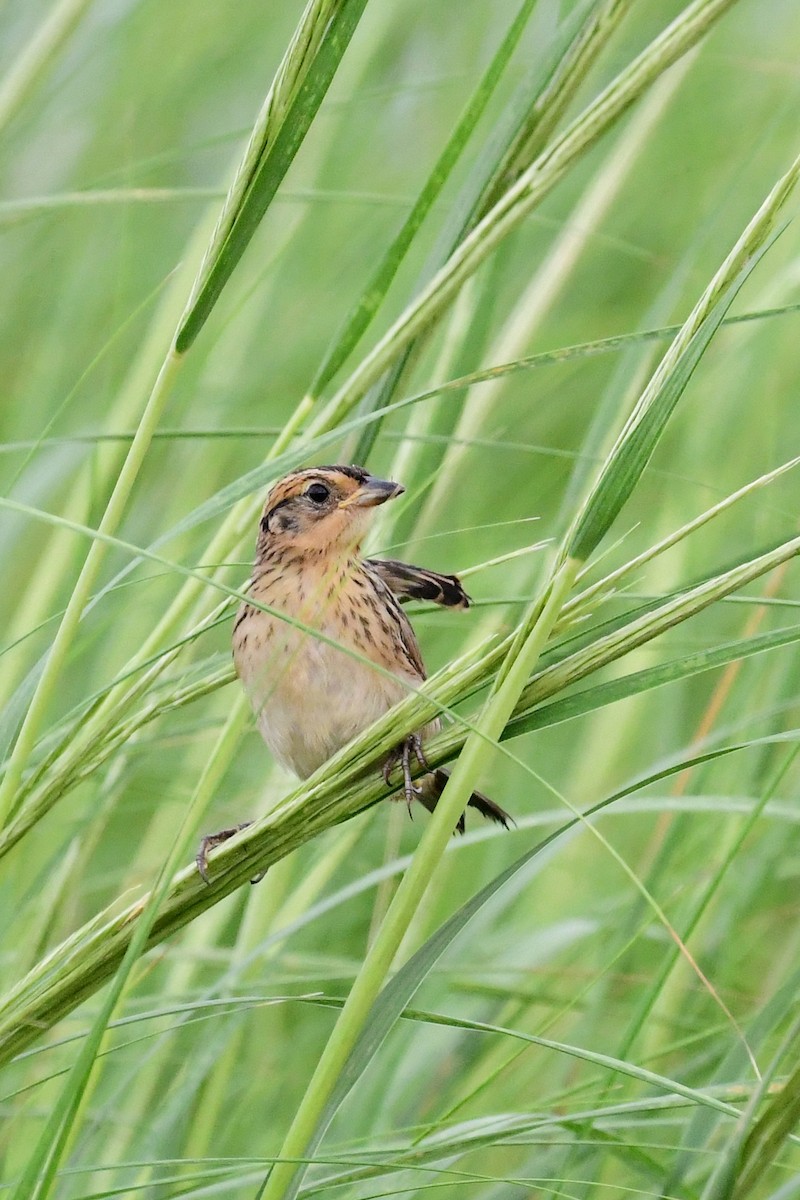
[
  {"x": 567, "y": 76},
  {"x": 82, "y": 590},
  {"x": 532, "y": 186},
  {"x": 284, "y": 1178},
  {"x": 362, "y": 314},
  {"x": 517, "y": 146},
  {"x": 31, "y": 63},
  {"x": 37, "y": 595},
  {"x": 552, "y": 275},
  {"x": 39, "y": 1174},
  {"x": 43, "y": 692},
  {"x": 302, "y": 81},
  {"x": 540, "y": 113},
  {"x": 117, "y": 733},
  {"x": 84, "y": 961},
  {"x": 638, "y": 437}
]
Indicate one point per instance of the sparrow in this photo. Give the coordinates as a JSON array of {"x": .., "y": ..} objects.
[{"x": 310, "y": 696}]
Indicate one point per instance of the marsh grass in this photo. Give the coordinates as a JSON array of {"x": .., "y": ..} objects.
[{"x": 488, "y": 280}]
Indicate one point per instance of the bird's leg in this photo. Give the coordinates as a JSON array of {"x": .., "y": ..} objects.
[
  {"x": 216, "y": 839},
  {"x": 402, "y": 754},
  {"x": 415, "y": 742}
]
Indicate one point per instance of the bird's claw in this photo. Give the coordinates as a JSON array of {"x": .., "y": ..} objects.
[
  {"x": 403, "y": 754},
  {"x": 216, "y": 839}
]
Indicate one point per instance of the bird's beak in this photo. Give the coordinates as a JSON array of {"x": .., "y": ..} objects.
[{"x": 373, "y": 491}]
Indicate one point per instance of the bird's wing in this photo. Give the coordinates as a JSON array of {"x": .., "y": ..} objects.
[
  {"x": 406, "y": 640},
  {"x": 417, "y": 583}
]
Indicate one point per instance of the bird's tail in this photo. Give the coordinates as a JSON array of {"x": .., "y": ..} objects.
[{"x": 432, "y": 785}]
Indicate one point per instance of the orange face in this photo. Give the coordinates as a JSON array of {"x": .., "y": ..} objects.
[{"x": 322, "y": 508}]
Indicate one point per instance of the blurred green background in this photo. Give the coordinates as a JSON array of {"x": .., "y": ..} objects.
[{"x": 111, "y": 158}]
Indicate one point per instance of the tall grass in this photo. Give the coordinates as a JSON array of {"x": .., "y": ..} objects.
[{"x": 537, "y": 261}]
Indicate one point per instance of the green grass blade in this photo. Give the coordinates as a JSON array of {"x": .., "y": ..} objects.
[
  {"x": 394, "y": 999},
  {"x": 37, "y": 55},
  {"x": 39, "y": 1174},
  {"x": 335, "y": 23},
  {"x": 589, "y": 700},
  {"x": 360, "y": 317},
  {"x": 638, "y": 439},
  {"x": 110, "y": 176},
  {"x": 541, "y": 102},
  {"x": 538, "y": 121},
  {"x": 530, "y": 189},
  {"x": 677, "y": 609},
  {"x": 776, "y": 1124}
]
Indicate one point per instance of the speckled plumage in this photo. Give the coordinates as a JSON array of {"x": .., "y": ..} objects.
[
  {"x": 310, "y": 696},
  {"x": 323, "y": 647}
]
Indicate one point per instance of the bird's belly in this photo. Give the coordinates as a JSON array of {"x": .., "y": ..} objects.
[{"x": 310, "y": 698}]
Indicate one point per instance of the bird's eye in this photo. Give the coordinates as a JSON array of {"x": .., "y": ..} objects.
[{"x": 318, "y": 493}]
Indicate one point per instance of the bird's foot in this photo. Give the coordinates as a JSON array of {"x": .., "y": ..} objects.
[
  {"x": 412, "y": 746},
  {"x": 216, "y": 839}
]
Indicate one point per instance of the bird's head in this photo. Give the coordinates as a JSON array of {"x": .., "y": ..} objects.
[{"x": 321, "y": 509}]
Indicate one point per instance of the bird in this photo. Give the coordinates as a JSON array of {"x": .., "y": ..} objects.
[{"x": 312, "y": 695}]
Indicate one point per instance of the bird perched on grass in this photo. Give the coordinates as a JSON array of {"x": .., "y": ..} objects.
[{"x": 310, "y": 696}]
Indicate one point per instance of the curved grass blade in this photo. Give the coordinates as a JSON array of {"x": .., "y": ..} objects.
[
  {"x": 589, "y": 700},
  {"x": 567, "y": 71},
  {"x": 394, "y": 999},
  {"x": 640, "y": 436},
  {"x": 357, "y": 321},
  {"x": 327, "y": 28},
  {"x": 676, "y": 610},
  {"x": 33, "y": 59},
  {"x": 520, "y": 199},
  {"x": 83, "y": 962},
  {"x": 540, "y": 104},
  {"x": 774, "y": 1126},
  {"x": 703, "y": 1128}
]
